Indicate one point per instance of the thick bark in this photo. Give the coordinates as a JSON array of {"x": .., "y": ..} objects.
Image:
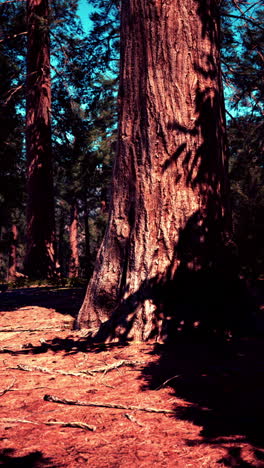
[
  {"x": 169, "y": 208},
  {"x": 40, "y": 256},
  {"x": 73, "y": 236}
]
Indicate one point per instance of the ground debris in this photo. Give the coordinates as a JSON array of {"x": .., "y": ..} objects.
[
  {"x": 7, "y": 389},
  {"x": 116, "y": 365},
  {"x": 23, "y": 367},
  {"x": 133, "y": 419},
  {"x": 64, "y": 401},
  {"x": 81, "y": 373},
  {"x": 34, "y": 432},
  {"x": 20, "y": 330},
  {"x": 77, "y": 424}
]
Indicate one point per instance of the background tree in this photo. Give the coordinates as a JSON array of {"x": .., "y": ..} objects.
[
  {"x": 242, "y": 56},
  {"x": 247, "y": 193},
  {"x": 82, "y": 125},
  {"x": 41, "y": 255},
  {"x": 12, "y": 167}
]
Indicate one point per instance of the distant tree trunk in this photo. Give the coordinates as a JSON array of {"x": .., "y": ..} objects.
[
  {"x": 40, "y": 255},
  {"x": 61, "y": 242},
  {"x": 88, "y": 258},
  {"x": 12, "y": 270},
  {"x": 73, "y": 235},
  {"x": 169, "y": 210}
]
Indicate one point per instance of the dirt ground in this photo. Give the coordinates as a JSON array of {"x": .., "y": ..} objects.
[{"x": 190, "y": 405}]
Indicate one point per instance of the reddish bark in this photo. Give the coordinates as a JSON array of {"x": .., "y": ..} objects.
[
  {"x": 40, "y": 256},
  {"x": 12, "y": 270},
  {"x": 73, "y": 237},
  {"x": 169, "y": 208},
  {"x": 88, "y": 256}
]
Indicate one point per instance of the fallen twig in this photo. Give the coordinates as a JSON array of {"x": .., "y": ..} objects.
[
  {"x": 64, "y": 401},
  {"x": 167, "y": 381},
  {"x": 133, "y": 419},
  {"x": 7, "y": 350},
  {"x": 78, "y": 424},
  {"x": 8, "y": 388},
  {"x": 23, "y": 367},
  {"x": 114, "y": 366},
  {"x": 18, "y": 330},
  {"x": 81, "y": 373}
]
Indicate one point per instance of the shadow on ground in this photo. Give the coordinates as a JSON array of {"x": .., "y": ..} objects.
[
  {"x": 67, "y": 345},
  {"x": 33, "y": 460},
  {"x": 223, "y": 387},
  {"x": 64, "y": 301}
]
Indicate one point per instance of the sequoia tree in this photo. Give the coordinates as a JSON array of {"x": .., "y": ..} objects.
[
  {"x": 40, "y": 257},
  {"x": 169, "y": 214}
]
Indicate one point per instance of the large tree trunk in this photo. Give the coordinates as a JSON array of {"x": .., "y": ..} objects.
[
  {"x": 40, "y": 256},
  {"x": 169, "y": 211}
]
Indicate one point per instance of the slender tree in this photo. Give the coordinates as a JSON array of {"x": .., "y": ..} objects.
[
  {"x": 12, "y": 46},
  {"x": 169, "y": 212},
  {"x": 74, "y": 262},
  {"x": 40, "y": 256}
]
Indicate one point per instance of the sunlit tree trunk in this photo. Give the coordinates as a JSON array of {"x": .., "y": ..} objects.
[
  {"x": 169, "y": 212},
  {"x": 88, "y": 257},
  {"x": 40, "y": 256},
  {"x": 12, "y": 269},
  {"x": 73, "y": 236}
]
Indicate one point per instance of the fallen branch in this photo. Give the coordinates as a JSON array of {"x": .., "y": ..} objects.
[
  {"x": 84, "y": 373},
  {"x": 23, "y": 367},
  {"x": 7, "y": 350},
  {"x": 133, "y": 419},
  {"x": 18, "y": 330},
  {"x": 167, "y": 381},
  {"x": 8, "y": 388},
  {"x": 64, "y": 401},
  {"x": 78, "y": 424},
  {"x": 114, "y": 366}
]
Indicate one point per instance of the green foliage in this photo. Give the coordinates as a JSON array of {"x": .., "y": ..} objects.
[
  {"x": 243, "y": 55},
  {"x": 84, "y": 134},
  {"x": 243, "y": 59},
  {"x": 246, "y": 138}
]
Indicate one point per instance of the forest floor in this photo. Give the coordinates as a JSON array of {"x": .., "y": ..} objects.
[{"x": 193, "y": 405}]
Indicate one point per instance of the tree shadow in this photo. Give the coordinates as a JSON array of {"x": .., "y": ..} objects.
[
  {"x": 33, "y": 460},
  {"x": 220, "y": 386},
  {"x": 198, "y": 301},
  {"x": 69, "y": 345},
  {"x": 64, "y": 301}
]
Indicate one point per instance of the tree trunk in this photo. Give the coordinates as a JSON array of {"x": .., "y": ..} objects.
[
  {"x": 169, "y": 210},
  {"x": 88, "y": 256},
  {"x": 73, "y": 234},
  {"x": 40, "y": 256},
  {"x": 61, "y": 242},
  {"x": 12, "y": 270}
]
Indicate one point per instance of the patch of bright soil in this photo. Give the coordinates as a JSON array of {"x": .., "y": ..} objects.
[{"x": 215, "y": 396}]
